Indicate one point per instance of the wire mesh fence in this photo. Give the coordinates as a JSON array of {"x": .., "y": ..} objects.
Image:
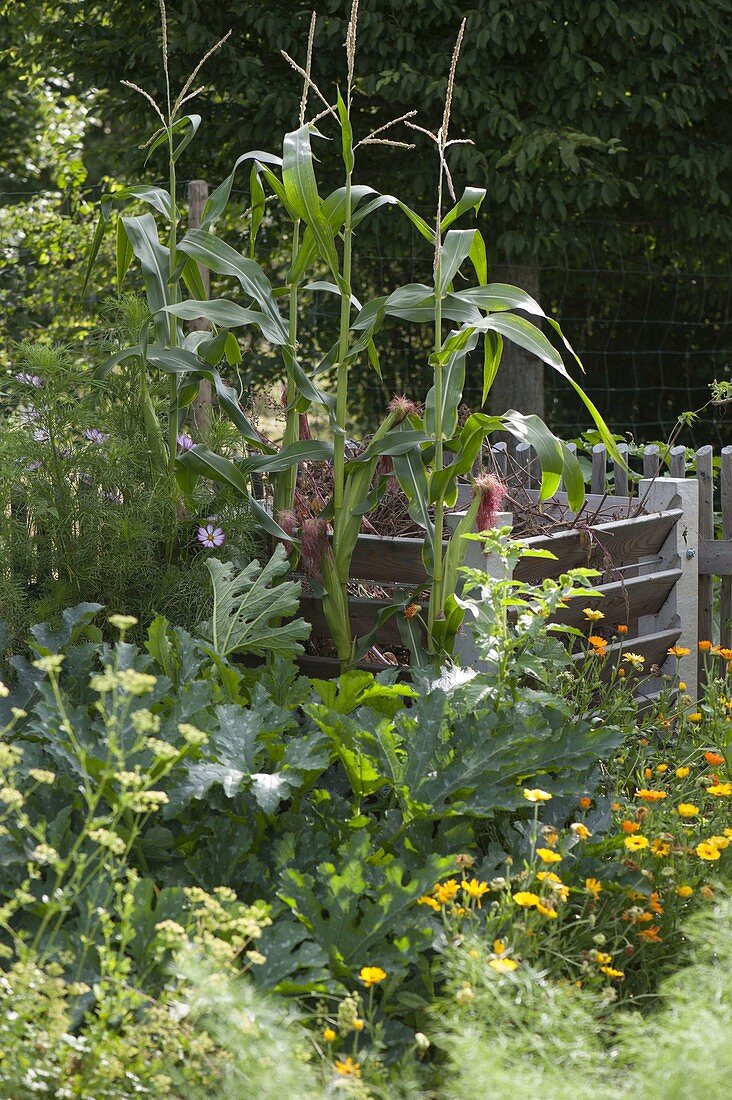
[{"x": 650, "y": 316}]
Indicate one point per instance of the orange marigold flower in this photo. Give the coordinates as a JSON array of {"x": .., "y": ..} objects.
[
  {"x": 622, "y": 629},
  {"x": 652, "y": 934},
  {"x": 714, "y": 758},
  {"x": 725, "y": 654},
  {"x": 660, "y": 848},
  {"x": 585, "y": 802},
  {"x": 621, "y": 673},
  {"x": 630, "y": 826},
  {"x": 687, "y": 809},
  {"x": 654, "y": 903},
  {"x": 411, "y": 610},
  {"x": 597, "y": 642},
  {"x": 650, "y": 796},
  {"x": 705, "y": 645},
  {"x": 678, "y": 651},
  {"x": 648, "y": 773}
]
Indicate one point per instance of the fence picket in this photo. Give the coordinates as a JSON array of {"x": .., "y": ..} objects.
[
  {"x": 650, "y": 461},
  {"x": 620, "y": 472},
  {"x": 677, "y": 462},
  {"x": 725, "y": 603},
  {"x": 706, "y": 531},
  {"x": 599, "y": 464}
]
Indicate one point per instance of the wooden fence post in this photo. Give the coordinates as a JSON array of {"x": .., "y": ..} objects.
[
  {"x": 201, "y": 405},
  {"x": 725, "y": 602},
  {"x": 680, "y": 551}
]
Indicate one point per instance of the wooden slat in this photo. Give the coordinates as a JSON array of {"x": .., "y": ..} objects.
[
  {"x": 650, "y": 461},
  {"x": 395, "y": 561},
  {"x": 677, "y": 462},
  {"x": 621, "y": 602},
  {"x": 654, "y": 647},
  {"x": 599, "y": 467},
  {"x": 363, "y": 612},
  {"x": 706, "y": 532},
  {"x": 625, "y": 541},
  {"x": 620, "y": 472},
  {"x": 725, "y": 601},
  {"x": 715, "y": 558}
]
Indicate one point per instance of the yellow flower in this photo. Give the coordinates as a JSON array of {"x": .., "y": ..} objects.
[
  {"x": 550, "y": 834},
  {"x": 682, "y": 685},
  {"x": 499, "y": 947},
  {"x": 446, "y": 891},
  {"x": 348, "y": 1068},
  {"x": 647, "y": 773},
  {"x": 546, "y": 855},
  {"x": 593, "y": 886},
  {"x": 635, "y": 659},
  {"x": 636, "y": 843},
  {"x": 681, "y": 773},
  {"x": 526, "y": 899},
  {"x": 650, "y": 796},
  {"x": 475, "y": 889},
  {"x": 661, "y": 769},
  {"x": 546, "y": 910},
  {"x": 329, "y": 1035},
  {"x": 358, "y": 1024},
  {"x": 592, "y": 615},
  {"x": 536, "y": 795},
  {"x": 503, "y": 966},
  {"x": 678, "y": 651},
  {"x": 687, "y": 809},
  {"x": 371, "y": 975},
  {"x": 580, "y": 830},
  {"x": 728, "y": 832},
  {"x": 602, "y": 958},
  {"x": 660, "y": 848},
  {"x": 432, "y": 902},
  {"x": 719, "y": 790},
  {"x": 611, "y": 972},
  {"x": 720, "y": 842},
  {"x": 707, "y": 851},
  {"x": 696, "y": 717},
  {"x": 684, "y": 891}
]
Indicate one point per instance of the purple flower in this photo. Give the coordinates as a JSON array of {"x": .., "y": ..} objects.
[
  {"x": 210, "y": 536},
  {"x": 26, "y": 379},
  {"x": 184, "y": 441},
  {"x": 40, "y": 435},
  {"x": 95, "y": 436},
  {"x": 33, "y": 466}
]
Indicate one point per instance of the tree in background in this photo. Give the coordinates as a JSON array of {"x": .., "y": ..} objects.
[{"x": 576, "y": 108}]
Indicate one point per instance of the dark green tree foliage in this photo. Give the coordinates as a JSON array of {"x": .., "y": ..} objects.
[{"x": 574, "y": 106}]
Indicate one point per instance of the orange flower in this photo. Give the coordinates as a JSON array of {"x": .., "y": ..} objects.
[
  {"x": 652, "y": 934},
  {"x": 621, "y": 673},
  {"x": 654, "y": 903},
  {"x": 597, "y": 642},
  {"x": 630, "y": 826},
  {"x": 705, "y": 646},
  {"x": 678, "y": 651},
  {"x": 411, "y": 610},
  {"x": 650, "y": 796},
  {"x": 714, "y": 758},
  {"x": 585, "y": 802},
  {"x": 622, "y": 629},
  {"x": 648, "y": 773}
]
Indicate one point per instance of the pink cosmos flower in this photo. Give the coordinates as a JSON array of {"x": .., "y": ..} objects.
[{"x": 210, "y": 536}]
